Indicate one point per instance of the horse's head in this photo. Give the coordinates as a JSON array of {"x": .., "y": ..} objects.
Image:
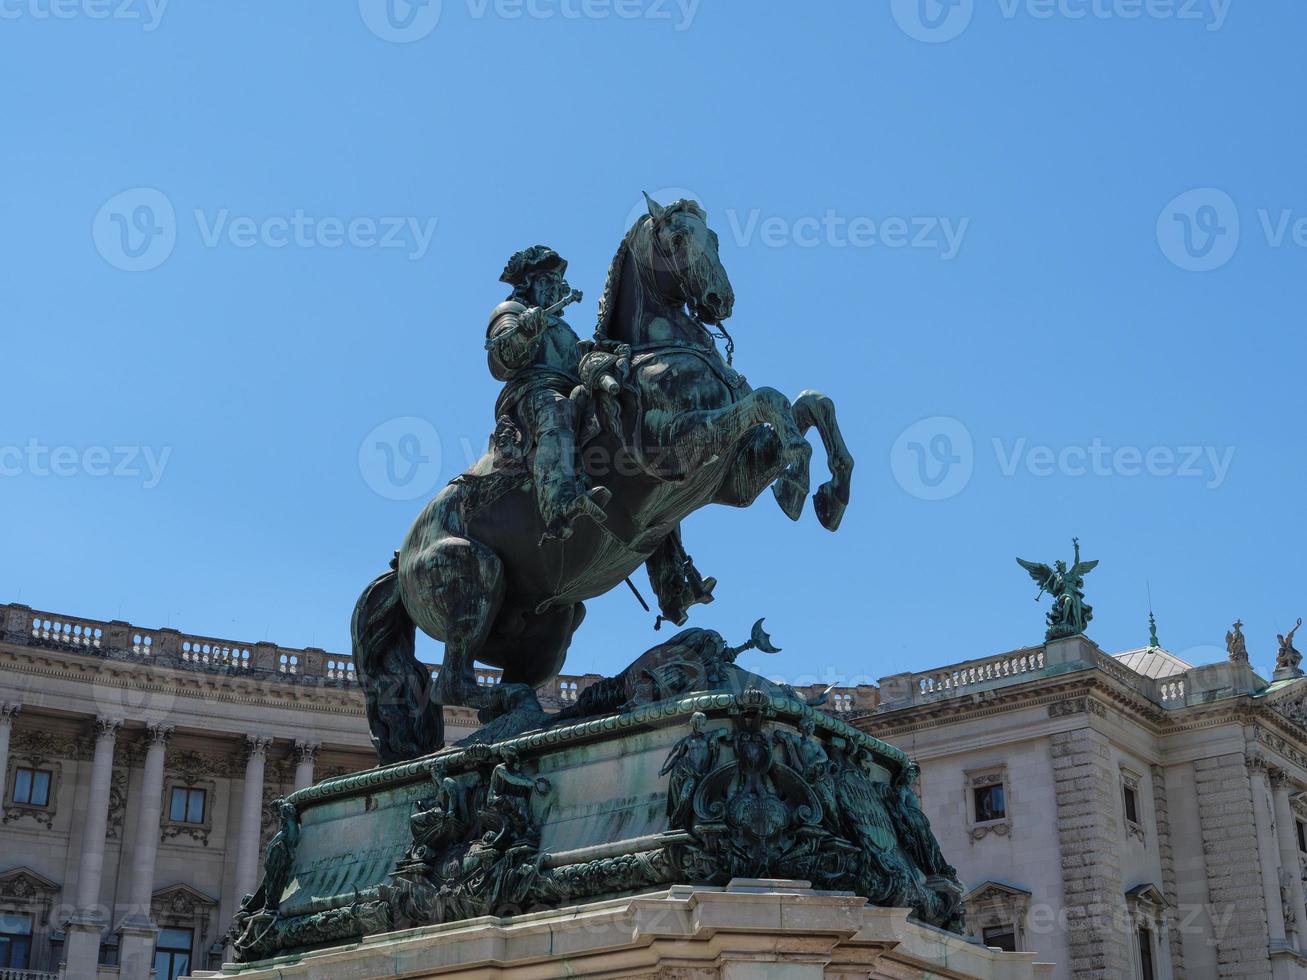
[{"x": 682, "y": 255}]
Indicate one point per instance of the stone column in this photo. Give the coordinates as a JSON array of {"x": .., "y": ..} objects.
[
  {"x": 306, "y": 754},
  {"x": 247, "y": 844},
  {"x": 137, "y": 930},
  {"x": 82, "y": 949},
  {"x": 1290, "y": 863},
  {"x": 7, "y": 712}
]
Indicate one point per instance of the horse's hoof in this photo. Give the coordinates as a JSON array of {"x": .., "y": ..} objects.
[
  {"x": 829, "y": 507},
  {"x": 789, "y": 495},
  {"x": 462, "y": 692}
]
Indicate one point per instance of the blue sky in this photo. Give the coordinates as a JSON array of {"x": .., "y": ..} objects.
[{"x": 1046, "y": 256}]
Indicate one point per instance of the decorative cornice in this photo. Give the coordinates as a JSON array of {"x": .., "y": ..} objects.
[
  {"x": 210, "y": 687},
  {"x": 582, "y": 732},
  {"x": 1077, "y": 706}
]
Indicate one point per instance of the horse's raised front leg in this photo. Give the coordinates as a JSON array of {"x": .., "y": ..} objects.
[
  {"x": 695, "y": 438},
  {"x": 812, "y": 408}
]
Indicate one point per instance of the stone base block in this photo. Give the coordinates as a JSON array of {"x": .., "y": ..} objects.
[{"x": 749, "y": 930}]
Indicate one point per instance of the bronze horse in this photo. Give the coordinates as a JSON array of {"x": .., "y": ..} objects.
[{"x": 681, "y": 430}]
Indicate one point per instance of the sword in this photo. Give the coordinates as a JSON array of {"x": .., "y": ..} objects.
[{"x": 573, "y": 297}]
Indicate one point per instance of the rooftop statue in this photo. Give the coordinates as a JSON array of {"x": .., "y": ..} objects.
[
  {"x": 1236, "y": 645},
  {"x": 1287, "y": 658},
  {"x": 601, "y": 448},
  {"x": 1070, "y": 614}
]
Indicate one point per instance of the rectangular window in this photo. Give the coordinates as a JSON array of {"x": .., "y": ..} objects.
[
  {"x": 1131, "y": 804},
  {"x": 990, "y": 804},
  {"x": 1146, "y": 971},
  {"x": 172, "y": 954},
  {"x": 1004, "y": 937},
  {"x": 32, "y": 786},
  {"x": 15, "y": 940},
  {"x": 1302, "y": 836},
  {"x": 186, "y": 805}
]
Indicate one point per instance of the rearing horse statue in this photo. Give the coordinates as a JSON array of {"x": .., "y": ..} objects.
[{"x": 674, "y": 428}]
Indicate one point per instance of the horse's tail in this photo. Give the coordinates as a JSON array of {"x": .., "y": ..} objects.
[{"x": 404, "y": 722}]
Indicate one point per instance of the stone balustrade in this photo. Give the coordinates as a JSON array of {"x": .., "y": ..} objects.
[
  {"x": 945, "y": 682},
  {"x": 167, "y": 647}
]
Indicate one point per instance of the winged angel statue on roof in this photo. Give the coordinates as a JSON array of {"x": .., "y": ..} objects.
[{"x": 1070, "y": 613}]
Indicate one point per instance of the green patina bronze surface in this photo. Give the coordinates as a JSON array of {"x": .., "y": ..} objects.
[
  {"x": 684, "y": 767},
  {"x": 698, "y": 789},
  {"x": 1070, "y": 614},
  {"x": 600, "y": 449}
]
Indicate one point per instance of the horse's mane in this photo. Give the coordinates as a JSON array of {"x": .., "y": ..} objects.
[{"x": 608, "y": 300}]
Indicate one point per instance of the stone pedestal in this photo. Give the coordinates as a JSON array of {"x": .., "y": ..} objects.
[{"x": 749, "y": 930}]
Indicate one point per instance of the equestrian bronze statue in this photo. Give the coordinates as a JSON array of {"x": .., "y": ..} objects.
[{"x": 601, "y": 448}]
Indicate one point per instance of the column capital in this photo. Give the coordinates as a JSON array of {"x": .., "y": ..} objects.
[
  {"x": 7, "y": 711},
  {"x": 1278, "y": 777},
  {"x": 158, "y": 734},
  {"x": 306, "y": 751},
  {"x": 106, "y": 727},
  {"x": 256, "y": 746}
]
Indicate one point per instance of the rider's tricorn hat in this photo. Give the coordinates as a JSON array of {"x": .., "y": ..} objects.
[{"x": 537, "y": 258}]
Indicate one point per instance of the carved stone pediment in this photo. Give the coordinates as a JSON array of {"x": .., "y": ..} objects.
[
  {"x": 180, "y": 901},
  {"x": 25, "y": 885}
]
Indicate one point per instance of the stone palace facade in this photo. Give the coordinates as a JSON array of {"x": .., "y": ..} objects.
[{"x": 1127, "y": 816}]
